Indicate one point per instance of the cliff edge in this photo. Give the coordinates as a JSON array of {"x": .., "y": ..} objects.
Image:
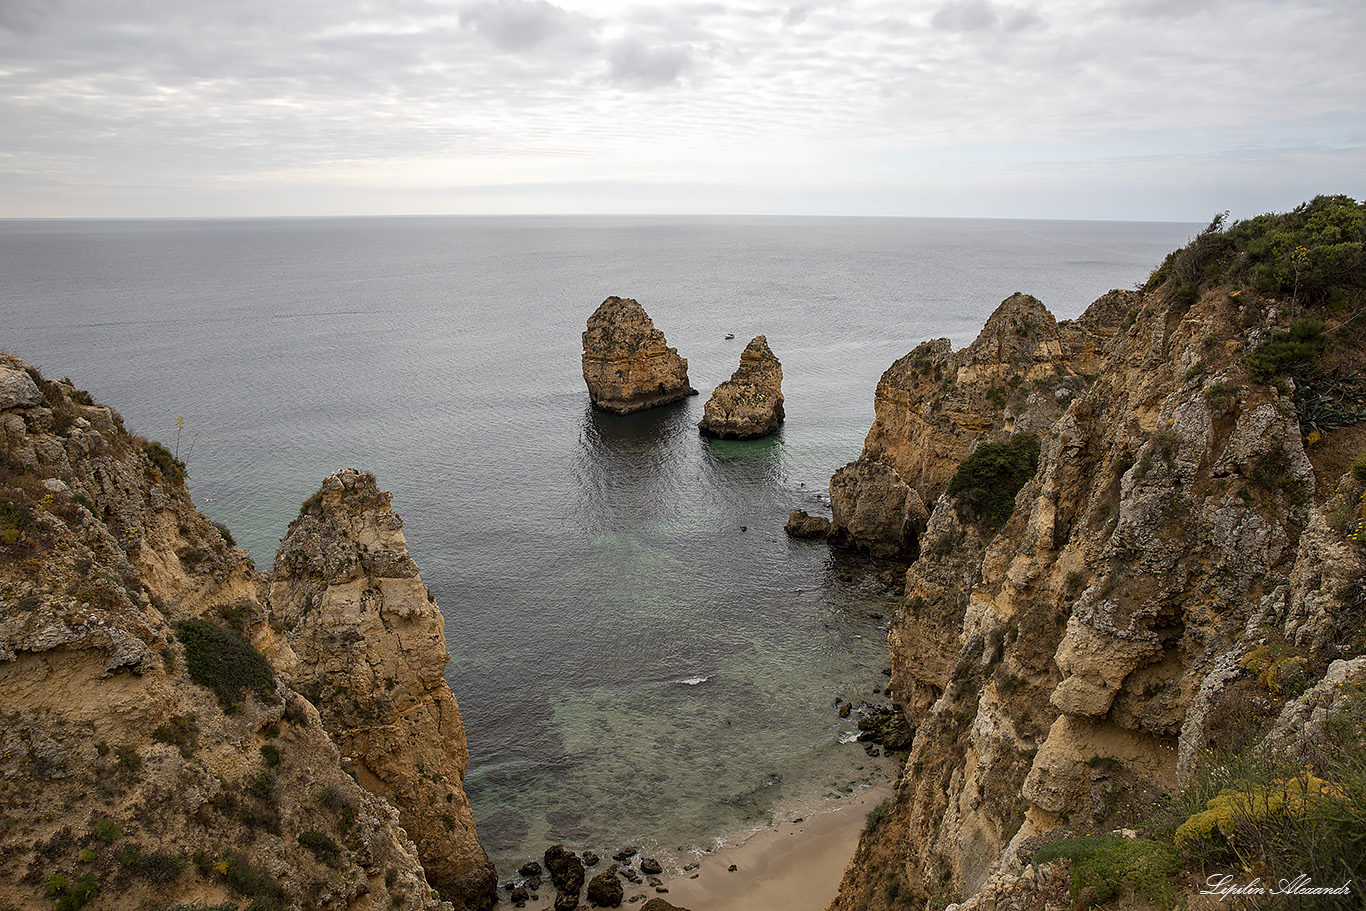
[
  {"x": 1140, "y": 569},
  {"x": 155, "y": 747}
]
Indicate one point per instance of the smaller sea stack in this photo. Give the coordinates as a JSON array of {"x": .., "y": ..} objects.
[
  {"x": 749, "y": 404},
  {"x": 627, "y": 363}
]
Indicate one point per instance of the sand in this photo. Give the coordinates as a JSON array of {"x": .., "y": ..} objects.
[
  {"x": 792, "y": 866},
  {"x": 795, "y": 866}
]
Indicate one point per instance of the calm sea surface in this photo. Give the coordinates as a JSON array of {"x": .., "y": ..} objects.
[{"x": 631, "y": 665}]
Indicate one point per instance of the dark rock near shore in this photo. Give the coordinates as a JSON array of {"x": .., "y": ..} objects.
[
  {"x": 520, "y": 896},
  {"x": 659, "y": 904},
  {"x": 801, "y": 525},
  {"x": 566, "y": 901},
  {"x": 651, "y": 867},
  {"x": 530, "y": 868},
  {"x": 625, "y": 854},
  {"x": 590, "y": 859},
  {"x": 873, "y": 510},
  {"x": 605, "y": 890},
  {"x": 566, "y": 870}
]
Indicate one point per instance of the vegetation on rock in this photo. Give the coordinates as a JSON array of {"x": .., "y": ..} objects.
[
  {"x": 985, "y": 484},
  {"x": 225, "y": 662}
]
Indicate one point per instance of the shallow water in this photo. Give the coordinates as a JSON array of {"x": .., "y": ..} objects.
[{"x": 622, "y": 651}]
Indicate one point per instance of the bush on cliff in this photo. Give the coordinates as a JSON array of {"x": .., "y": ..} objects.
[
  {"x": 985, "y": 484},
  {"x": 225, "y": 662}
]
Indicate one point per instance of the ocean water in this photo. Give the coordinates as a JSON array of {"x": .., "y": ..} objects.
[{"x": 640, "y": 654}]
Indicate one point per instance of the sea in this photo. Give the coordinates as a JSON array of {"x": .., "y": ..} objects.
[{"x": 640, "y": 654}]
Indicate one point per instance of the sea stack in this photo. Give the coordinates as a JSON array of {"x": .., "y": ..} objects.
[
  {"x": 627, "y": 363},
  {"x": 749, "y": 404}
]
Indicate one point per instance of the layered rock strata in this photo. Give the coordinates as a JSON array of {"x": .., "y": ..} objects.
[
  {"x": 627, "y": 363},
  {"x": 135, "y": 763},
  {"x": 1064, "y": 670},
  {"x": 749, "y": 404},
  {"x": 369, "y": 651}
]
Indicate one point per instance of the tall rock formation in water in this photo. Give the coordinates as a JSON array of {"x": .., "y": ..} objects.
[
  {"x": 370, "y": 652},
  {"x": 1177, "y": 548},
  {"x": 627, "y": 363},
  {"x": 750, "y": 403},
  {"x": 154, "y": 744}
]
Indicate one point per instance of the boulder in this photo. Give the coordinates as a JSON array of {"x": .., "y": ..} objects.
[
  {"x": 800, "y": 525},
  {"x": 627, "y": 363},
  {"x": 659, "y": 904},
  {"x": 651, "y": 867},
  {"x": 565, "y": 868},
  {"x": 17, "y": 390},
  {"x": 749, "y": 404},
  {"x": 605, "y": 890},
  {"x": 873, "y": 510}
]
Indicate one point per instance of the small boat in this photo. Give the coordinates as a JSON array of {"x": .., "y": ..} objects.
[{"x": 730, "y": 335}]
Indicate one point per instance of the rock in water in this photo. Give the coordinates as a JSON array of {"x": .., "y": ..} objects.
[
  {"x": 565, "y": 868},
  {"x": 627, "y": 363},
  {"x": 801, "y": 525},
  {"x": 750, "y": 403},
  {"x": 370, "y": 653}
]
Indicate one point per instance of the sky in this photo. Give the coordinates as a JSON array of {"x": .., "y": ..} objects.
[{"x": 1157, "y": 110}]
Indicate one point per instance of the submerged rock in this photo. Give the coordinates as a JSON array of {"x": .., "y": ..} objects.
[
  {"x": 749, "y": 404},
  {"x": 627, "y": 363}
]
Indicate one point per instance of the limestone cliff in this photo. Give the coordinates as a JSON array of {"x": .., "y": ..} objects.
[
  {"x": 148, "y": 751},
  {"x": 368, "y": 650},
  {"x": 750, "y": 403},
  {"x": 1174, "y": 547},
  {"x": 627, "y": 363}
]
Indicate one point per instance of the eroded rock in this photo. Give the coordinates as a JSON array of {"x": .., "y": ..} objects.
[
  {"x": 749, "y": 404},
  {"x": 627, "y": 363}
]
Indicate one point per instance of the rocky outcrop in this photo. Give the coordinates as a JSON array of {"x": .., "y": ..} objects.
[
  {"x": 627, "y": 363},
  {"x": 1065, "y": 668},
  {"x": 749, "y": 404},
  {"x": 801, "y": 525},
  {"x": 369, "y": 651},
  {"x": 873, "y": 510},
  {"x": 133, "y": 762}
]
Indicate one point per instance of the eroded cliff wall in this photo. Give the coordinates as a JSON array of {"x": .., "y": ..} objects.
[
  {"x": 1065, "y": 669},
  {"x": 148, "y": 753}
]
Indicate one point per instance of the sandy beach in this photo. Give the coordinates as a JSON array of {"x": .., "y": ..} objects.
[{"x": 795, "y": 865}]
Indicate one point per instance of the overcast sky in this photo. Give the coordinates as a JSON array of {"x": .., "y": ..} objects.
[{"x": 1166, "y": 110}]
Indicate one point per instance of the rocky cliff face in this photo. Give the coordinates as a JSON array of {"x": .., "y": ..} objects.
[
  {"x": 148, "y": 752},
  {"x": 368, "y": 650},
  {"x": 627, "y": 363},
  {"x": 1067, "y": 668},
  {"x": 750, "y": 403}
]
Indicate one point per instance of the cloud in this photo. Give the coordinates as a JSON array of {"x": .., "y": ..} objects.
[
  {"x": 983, "y": 16},
  {"x": 797, "y": 15},
  {"x": 518, "y": 25},
  {"x": 634, "y": 64}
]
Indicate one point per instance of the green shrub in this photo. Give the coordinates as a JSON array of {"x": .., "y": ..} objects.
[
  {"x": 261, "y": 785},
  {"x": 877, "y": 815},
  {"x": 324, "y": 848},
  {"x": 106, "y": 830},
  {"x": 57, "y": 884},
  {"x": 225, "y": 534},
  {"x": 180, "y": 731},
  {"x": 80, "y": 892},
  {"x": 985, "y": 484},
  {"x": 1292, "y": 352},
  {"x": 159, "y": 868},
  {"x": 225, "y": 662},
  {"x": 171, "y": 468},
  {"x": 271, "y": 754},
  {"x": 1359, "y": 468},
  {"x": 1111, "y": 865}
]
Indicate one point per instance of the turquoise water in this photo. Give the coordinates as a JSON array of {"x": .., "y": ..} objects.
[{"x": 631, "y": 665}]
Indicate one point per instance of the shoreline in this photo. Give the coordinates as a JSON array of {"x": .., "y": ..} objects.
[
  {"x": 792, "y": 866},
  {"x": 796, "y": 864}
]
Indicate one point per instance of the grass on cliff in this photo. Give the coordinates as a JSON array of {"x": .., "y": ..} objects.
[
  {"x": 1255, "y": 812},
  {"x": 225, "y": 662},
  {"x": 985, "y": 484}
]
